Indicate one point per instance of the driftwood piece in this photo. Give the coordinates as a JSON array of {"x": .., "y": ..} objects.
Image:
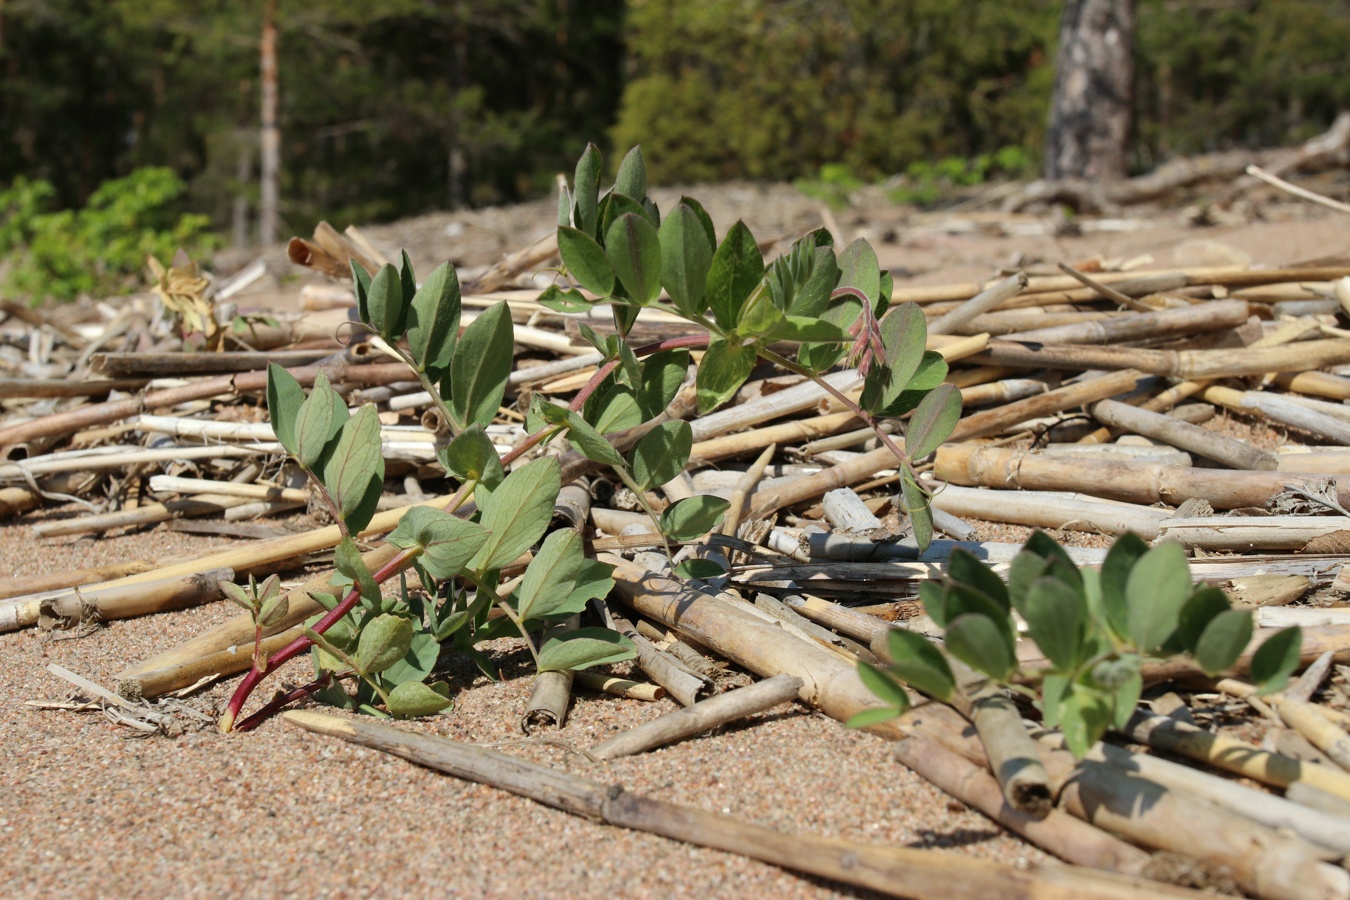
[
  {"x": 895, "y": 871},
  {"x": 1262, "y": 861},
  {"x": 969, "y": 464},
  {"x": 551, "y": 693},
  {"x": 1071, "y": 839},
  {"x": 1239, "y": 533},
  {"x": 1047, "y": 509},
  {"x": 1212, "y": 316},
  {"x": 684, "y": 686},
  {"x": 705, "y": 715},
  {"x": 81, "y": 606},
  {"x": 1235, "y": 756},
  {"x": 1222, "y": 449},
  {"x": 65, "y": 423},
  {"x": 619, "y": 687},
  {"x": 55, "y": 581},
  {"x": 1189, "y": 364}
]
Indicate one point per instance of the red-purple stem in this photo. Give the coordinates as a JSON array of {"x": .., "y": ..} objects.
[
  {"x": 281, "y": 701},
  {"x": 302, "y": 643}
]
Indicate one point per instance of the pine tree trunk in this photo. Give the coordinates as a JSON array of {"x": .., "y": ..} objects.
[
  {"x": 270, "y": 157},
  {"x": 1094, "y": 77}
]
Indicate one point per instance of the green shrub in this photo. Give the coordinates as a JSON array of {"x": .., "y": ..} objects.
[{"x": 97, "y": 250}]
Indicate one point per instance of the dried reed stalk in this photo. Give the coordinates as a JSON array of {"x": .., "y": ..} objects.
[
  {"x": 892, "y": 870},
  {"x": 704, "y": 715}
]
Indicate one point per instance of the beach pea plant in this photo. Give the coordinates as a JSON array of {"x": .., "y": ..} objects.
[
  {"x": 807, "y": 311},
  {"x": 1096, "y": 629}
]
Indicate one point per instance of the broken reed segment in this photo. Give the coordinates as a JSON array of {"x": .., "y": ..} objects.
[
  {"x": 894, "y": 871},
  {"x": 79, "y": 606},
  {"x": 1133, "y": 482},
  {"x": 63, "y": 423},
  {"x": 227, "y": 648},
  {"x": 1265, "y": 862},
  {"x": 702, "y": 716}
]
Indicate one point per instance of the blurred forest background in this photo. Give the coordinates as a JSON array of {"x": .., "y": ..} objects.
[{"x": 390, "y": 108}]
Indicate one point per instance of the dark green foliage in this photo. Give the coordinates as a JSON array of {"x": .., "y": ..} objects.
[
  {"x": 1095, "y": 630},
  {"x": 98, "y": 249}
]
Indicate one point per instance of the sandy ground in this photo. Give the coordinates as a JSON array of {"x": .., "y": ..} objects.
[{"x": 88, "y": 810}]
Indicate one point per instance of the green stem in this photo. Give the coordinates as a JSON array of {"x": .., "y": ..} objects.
[
  {"x": 842, "y": 398},
  {"x": 510, "y": 613}
]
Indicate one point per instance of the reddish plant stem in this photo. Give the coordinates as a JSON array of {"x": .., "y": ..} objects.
[
  {"x": 694, "y": 340},
  {"x": 278, "y": 703},
  {"x": 301, "y": 644}
]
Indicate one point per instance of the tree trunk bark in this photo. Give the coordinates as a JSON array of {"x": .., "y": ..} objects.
[
  {"x": 270, "y": 157},
  {"x": 1094, "y": 76}
]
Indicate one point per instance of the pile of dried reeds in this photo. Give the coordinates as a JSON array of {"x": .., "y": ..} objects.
[{"x": 1087, "y": 397}]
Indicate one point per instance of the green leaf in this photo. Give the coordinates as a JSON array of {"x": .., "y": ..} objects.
[
  {"x": 736, "y": 270},
  {"x": 916, "y": 504},
  {"x": 662, "y": 453},
  {"x": 615, "y": 410},
  {"x": 903, "y": 333},
  {"x": 932, "y": 372},
  {"x": 933, "y": 595},
  {"x": 634, "y": 252},
  {"x": 980, "y": 643},
  {"x": 447, "y": 541},
  {"x": 551, "y": 576},
  {"x": 1120, "y": 559},
  {"x": 1203, "y": 606},
  {"x": 1158, "y": 587},
  {"x": 933, "y": 421},
  {"x": 284, "y": 398},
  {"x": 238, "y": 596},
  {"x": 384, "y": 641},
  {"x": 361, "y": 283},
  {"x": 759, "y": 317},
  {"x": 1084, "y": 717},
  {"x": 385, "y": 304},
  {"x": 413, "y": 700},
  {"x": 1125, "y": 698},
  {"x": 586, "y": 190},
  {"x": 354, "y": 472},
  {"x": 583, "y": 648},
  {"x": 1276, "y": 659},
  {"x": 616, "y": 204},
  {"x": 686, "y": 256},
  {"x": 1223, "y": 640},
  {"x": 858, "y": 268},
  {"x": 471, "y": 457},
  {"x": 1055, "y": 615},
  {"x": 662, "y": 375},
  {"x": 481, "y": 366},
  {"x": 692, "y": 517},
  {"x": 800, "y": 328},
  {"x": 348, "y": 563},
  {"x": 883, "y": 685},
  {"x": 724, "y": 368},
  {"x": 591, "y": 443},
  {"x": 701, "y": 569},
  {"x": 417, "y": 663},
  {"x": 433, "y": 322},
  {"x": 518, "y": 512},
  {"x": 569, "y": 301},
  {"x": 314, "y": 425},
  {"x": 632, "y": 178},
  {"x": 703, "y": 218},
  {"x": 874, "y": 716},
  {"x": 964, "y": 567},
  {"x": 586, "y": 261},
  {"x": 920, "y": 664}
]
